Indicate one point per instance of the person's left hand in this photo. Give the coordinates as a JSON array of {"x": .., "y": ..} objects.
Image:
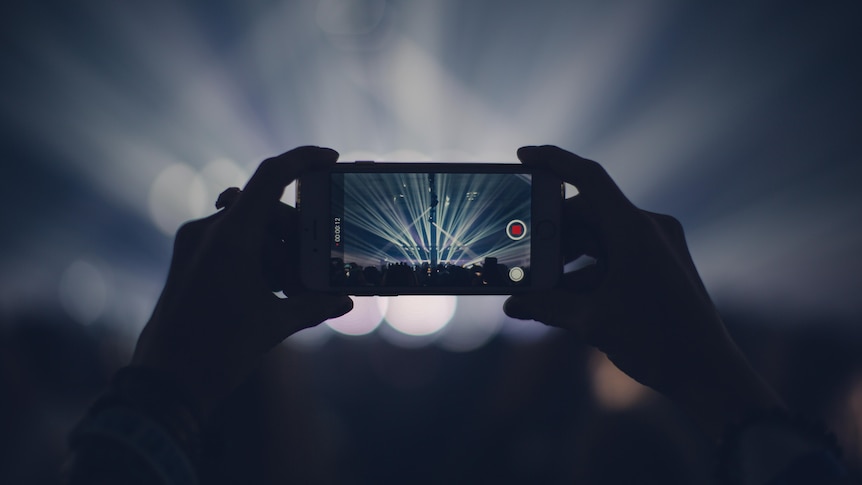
[{"x": 217, "y": 314}]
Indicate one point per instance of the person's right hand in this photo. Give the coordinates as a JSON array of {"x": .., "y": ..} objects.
[
  {"x": 217, "y": 315},
  {"x": 643, "y": 303}
]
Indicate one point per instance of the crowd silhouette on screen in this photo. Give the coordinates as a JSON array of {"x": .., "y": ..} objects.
[{"x": 403, "y": 274}]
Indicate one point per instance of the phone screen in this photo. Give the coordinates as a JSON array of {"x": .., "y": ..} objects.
[{"x": 430, "y": 229}]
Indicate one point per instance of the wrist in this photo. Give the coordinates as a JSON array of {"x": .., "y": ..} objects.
[
  {"x": 199, "y": 389},
  {"x": 158, "y": 396},
  {"x": 146, "y": 424}
]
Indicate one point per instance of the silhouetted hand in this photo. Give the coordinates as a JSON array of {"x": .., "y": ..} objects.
[
  {"x": 217, "y": 314},
  {"x": 643, "y": 303}
]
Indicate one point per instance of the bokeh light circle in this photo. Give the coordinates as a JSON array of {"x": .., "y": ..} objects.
[
  {"x": 178, "y": 194},
  {"x": 83, "y": 292},
  {"x": 477, "y": 320},
  {"x": 420, "y": 315},
  {"x": 365, "y": 317},
  {"x": 220, "y": 174}
]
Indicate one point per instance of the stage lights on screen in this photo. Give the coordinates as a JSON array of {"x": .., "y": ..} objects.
[{"x": 397, "y": 218}]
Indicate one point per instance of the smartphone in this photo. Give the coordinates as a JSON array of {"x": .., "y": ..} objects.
[{"x": 371, "y": 228}]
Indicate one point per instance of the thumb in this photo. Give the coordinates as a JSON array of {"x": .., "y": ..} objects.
[
  {"x": 290, "y": 315},
  {"x": 557, "y": 308}
]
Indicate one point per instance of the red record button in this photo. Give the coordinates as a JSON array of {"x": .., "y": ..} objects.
[{"x": 516, "y": 230}]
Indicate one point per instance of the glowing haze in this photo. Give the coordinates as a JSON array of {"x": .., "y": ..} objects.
[{"x": 122, "y": 119}]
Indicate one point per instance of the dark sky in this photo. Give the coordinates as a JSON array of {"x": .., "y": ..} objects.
[{"x": 740, "y": 118}]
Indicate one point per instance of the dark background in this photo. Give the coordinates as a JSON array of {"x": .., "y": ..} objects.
[{"x": 120, "y": 120}]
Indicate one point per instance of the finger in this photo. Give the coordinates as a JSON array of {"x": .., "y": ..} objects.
[
  {"x": 227, "y": 198},
  {"x": 580, "y": 232},
  {"x": 281, "y": 254},
  {"x": 606, "y": 217},
  {"x": 266, "y": 186},
  {"x": 558, "y": 308},
  {"x": 275, "y": 264},
  {"x": 598, "y": 195},
  {"x": 290, "y": 315},
  {"x": 284, "y": 222},
  {"x": 585, "y": 279}
]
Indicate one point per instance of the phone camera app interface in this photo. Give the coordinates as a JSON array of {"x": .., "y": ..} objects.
[{"x": 430, "y": 229}]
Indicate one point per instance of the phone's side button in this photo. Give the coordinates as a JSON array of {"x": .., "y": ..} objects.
[{"x": 545, "y": 230}]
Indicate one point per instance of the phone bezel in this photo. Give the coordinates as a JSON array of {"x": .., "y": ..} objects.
[{"x": 313, "y": 199}]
